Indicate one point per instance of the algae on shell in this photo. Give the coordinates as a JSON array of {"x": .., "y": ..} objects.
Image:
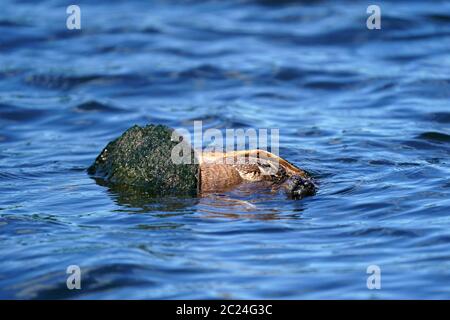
[{"x": 141, "y": 158}]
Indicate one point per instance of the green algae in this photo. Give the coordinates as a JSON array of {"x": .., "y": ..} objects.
[{"x": 140, "y": 160}]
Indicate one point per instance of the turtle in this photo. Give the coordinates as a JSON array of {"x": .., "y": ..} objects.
[
  {"x": 141, "y": 159},
  {"x": 250, "y": 166}
]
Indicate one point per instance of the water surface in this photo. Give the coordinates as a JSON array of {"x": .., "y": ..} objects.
[{"x": 367, "y": 112}]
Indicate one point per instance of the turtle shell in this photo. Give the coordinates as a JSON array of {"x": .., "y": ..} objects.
[{"x": 141, "y": 158}]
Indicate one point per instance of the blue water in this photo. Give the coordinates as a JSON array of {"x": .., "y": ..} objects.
[{"x": 367, "y": 112}]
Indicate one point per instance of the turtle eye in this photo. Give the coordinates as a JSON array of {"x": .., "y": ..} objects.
[{"x": 269, "y": 168}]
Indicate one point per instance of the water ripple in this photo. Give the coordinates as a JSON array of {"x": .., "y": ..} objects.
[{"x": 365, "y": 111}]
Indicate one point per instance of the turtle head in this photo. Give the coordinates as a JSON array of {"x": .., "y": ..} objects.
[{"x": 299, "y": 187}]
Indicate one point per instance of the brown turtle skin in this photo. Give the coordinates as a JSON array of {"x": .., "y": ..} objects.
[{"x": 223, "y": 171}]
